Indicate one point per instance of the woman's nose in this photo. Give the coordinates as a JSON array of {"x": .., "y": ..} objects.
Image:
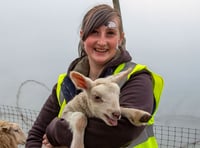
[{"x": 101, "y": 41}]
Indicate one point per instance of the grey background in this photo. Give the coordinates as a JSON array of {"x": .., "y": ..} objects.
[{"x": 39, "y": 38}]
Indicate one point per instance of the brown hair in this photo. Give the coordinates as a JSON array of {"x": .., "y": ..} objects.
[{"x": 94, "y": 18}]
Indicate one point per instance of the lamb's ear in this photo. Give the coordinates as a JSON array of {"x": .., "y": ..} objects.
[
  {"x": 80, "y": 81},
  {"x": 6, "y": 128},
  {"x": 121, "y": 77}
]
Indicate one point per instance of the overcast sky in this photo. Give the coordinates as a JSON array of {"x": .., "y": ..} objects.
[{"x": 38, "y": 40}]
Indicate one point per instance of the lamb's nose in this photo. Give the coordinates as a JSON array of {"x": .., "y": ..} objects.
[{"x": 116, "y": 115}]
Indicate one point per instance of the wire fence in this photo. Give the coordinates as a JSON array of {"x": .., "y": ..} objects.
[
  {"x": 177, "y": 137},
  {"x": 167, "y": 136},
  {"x": 24, "y": 117}
]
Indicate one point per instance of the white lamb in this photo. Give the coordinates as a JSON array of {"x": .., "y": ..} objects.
[
  {"x": 11, "y": 135},
  {"x": 100, "y": 99}
]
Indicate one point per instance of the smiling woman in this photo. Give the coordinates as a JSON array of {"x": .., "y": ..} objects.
[
  {"x": 101, "y": 54},
  {"x": 40, "y": 35}
]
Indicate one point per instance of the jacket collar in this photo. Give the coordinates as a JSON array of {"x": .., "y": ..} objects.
[{"x": 82, "y": 64}]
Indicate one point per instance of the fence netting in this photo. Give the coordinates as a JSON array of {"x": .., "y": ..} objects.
[{"x": 167, "y": 136}]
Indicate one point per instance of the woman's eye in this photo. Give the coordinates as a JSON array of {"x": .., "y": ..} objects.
[
  {"x": 110, "y": 32},
  {"x": 94, "y": 32}
]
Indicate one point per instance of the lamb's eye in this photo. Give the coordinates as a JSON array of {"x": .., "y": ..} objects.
[
  {"x": 16, "y": 130},
  {"x": 98, "y": 99}
]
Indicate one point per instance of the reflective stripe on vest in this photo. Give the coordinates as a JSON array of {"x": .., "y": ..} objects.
[
  {"x": 158, "y": 84},
  {"x": 59, "y": 94},
  {"x": 146, "y": 138}
]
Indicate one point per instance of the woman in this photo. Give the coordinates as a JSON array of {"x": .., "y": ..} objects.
[{"x": 101, "y": 54}]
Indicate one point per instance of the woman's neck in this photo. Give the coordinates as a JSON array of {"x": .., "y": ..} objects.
[{"x": 95, "y": 71}]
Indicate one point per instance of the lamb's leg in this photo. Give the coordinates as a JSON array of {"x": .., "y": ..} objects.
[
  {"x": 135, "y": 116},
  {"x": 77, "y": 122}
]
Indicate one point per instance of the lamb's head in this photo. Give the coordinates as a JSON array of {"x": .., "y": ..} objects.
[
  {"x": 103, "y": 95},
  {"x": 14, "y": 130}
]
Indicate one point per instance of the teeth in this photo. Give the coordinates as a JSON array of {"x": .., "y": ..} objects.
[
  {"x": 100, "y": 50},
  {"x": 112, "y": 122}
]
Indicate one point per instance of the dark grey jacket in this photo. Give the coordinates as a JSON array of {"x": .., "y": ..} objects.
[{"x": 136, "y": 93}]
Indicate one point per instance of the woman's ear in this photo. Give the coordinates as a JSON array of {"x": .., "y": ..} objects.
[
  {"x": 121, "y": 38},
  {"x": 81, "y": 34}
]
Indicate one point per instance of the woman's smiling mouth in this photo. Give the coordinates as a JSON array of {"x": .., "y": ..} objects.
[{"x": 100, "y": 50}]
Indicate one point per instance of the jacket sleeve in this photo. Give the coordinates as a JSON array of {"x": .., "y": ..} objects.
[
  {"x": 48, "y": 112},
  {"x": 136, "y": 93}
]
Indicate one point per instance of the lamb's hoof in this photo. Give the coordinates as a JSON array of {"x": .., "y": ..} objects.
[{"x": 145, "y": 118}]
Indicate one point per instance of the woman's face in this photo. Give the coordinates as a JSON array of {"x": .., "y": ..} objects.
[{"x": 102, "y": 43}]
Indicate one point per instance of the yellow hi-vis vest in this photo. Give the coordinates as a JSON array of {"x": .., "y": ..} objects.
[{"x": 146, "y": 139}]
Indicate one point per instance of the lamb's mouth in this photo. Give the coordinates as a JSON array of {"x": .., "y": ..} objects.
[{"x": 111, "y": 121}]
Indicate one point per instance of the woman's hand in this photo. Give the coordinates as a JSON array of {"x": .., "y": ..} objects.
[{"x": 46, "y": 143}]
